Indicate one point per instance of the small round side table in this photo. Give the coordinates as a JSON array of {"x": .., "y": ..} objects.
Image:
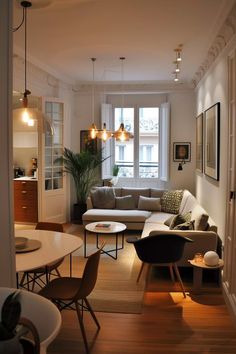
[{"x": 197, "y": 273}]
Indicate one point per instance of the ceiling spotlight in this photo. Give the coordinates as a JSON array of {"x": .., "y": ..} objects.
[{"x": 176, "y": 78}]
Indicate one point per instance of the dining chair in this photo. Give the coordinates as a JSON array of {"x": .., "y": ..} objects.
[
  {"x": 36, "y": 276},
  {"x": 158, "y": 249},
  {"x": 68, "y": 291}
]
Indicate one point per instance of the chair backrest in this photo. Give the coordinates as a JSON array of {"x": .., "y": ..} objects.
[
  {"x": 160, "y": 248},
  {"x": 90, "y": 273},
  {"x": 50, "y": 226}
]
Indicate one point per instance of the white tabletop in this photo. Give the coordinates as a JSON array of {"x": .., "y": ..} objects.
[
  {"x": 115, "y": 227},
  {"x": 55, "y": 245}
]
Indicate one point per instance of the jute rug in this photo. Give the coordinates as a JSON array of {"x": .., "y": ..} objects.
[{"x": 116, "y": 289}]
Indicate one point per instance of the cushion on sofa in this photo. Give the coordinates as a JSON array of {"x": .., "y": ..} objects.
[
  {"x": 158, "y": 217},
  {"x": 179, "y": 219},
  {"x": 200, "y": 217},
  {"x": 103, "y": 198},
  {"x": 189, "y": 225},
  {"x": 152, "y": 204},
  {"x": 157, "y": 193},
  {"x": 136, "y": 192},
  {"x": 131, "y": 216},
  {"x": 126, "y": 202},
  {"x": 171, "y": 200}
]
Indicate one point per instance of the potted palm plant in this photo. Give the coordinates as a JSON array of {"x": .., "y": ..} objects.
[{"x": 82, "y": 167}]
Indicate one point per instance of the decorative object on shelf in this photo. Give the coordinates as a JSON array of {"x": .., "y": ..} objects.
[
  {"x": 212, "y": 141},
  {"x": 121, "y": 134},
  {"x": 82, "y": 167},
  {"x": 182, "y": 154},
  {"x": 199, "y": 143},
  {"x": 177, "y": 62},
  {"x": 29, "y": 115},
  {"x": 211, "y": 258}
]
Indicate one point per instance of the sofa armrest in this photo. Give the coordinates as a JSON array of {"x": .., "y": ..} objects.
[{"x": 89, "y": 203}]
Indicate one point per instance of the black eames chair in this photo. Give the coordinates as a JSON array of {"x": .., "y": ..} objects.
[
  {"x": 68, "y": 291},
  {"x": 161, "y": 249}
]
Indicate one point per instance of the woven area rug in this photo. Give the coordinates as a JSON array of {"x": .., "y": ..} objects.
[{"x": 116, "y": 289}]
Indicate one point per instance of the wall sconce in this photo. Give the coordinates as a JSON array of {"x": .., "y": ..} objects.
[{"x": 180, "y": 167}]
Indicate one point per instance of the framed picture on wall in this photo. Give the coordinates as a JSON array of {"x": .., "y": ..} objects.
[
  {"x": 199, "y": 143},
  {"x": 86, "y": 143},
  {"x": 182, "y": 151},
  {"x": 212, "y": 141}
]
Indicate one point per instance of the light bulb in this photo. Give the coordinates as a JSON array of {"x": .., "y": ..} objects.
[
  {"x": 93, "y": 134},
  {"x": 25, "y": 116},
  {"x": 122, "y": 136},
  {"x": 30, "y": 122},
  {"x": 176, "y": 79},
  {"x": 178, "y": 57},
  {"x": 177, "y": 70},
  {"x": 104, "y": 135}
]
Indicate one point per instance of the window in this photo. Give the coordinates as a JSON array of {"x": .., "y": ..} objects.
[
  {"x": 145, "y": 156},
  {"x": 146, "y": 132}
]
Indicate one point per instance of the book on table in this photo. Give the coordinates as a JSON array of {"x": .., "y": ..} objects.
[{"x": 103, "y": 225}]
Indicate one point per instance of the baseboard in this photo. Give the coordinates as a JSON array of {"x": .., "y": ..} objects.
[{"x": 230, "y": 302}]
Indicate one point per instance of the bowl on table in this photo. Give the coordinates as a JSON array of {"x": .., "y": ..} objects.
[{"x": 20, "y": 242}]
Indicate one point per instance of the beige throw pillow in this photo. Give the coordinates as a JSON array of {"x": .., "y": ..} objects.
[
  {"x": 125, "y": 203},
  {"x": 103, "y": 198},
  {"x": 200, "y": 217},
  {"x": 171, "y": 200},
  {"x": 150, "y": 204}
]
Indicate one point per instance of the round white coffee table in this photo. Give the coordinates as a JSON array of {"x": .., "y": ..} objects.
[{"x": 105, "y": 228}]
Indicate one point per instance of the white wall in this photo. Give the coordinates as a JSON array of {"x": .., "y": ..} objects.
[{"x": 210, "y": 193}]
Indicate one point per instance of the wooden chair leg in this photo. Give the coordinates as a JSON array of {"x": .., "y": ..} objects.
[
  {"x": 82, "y": 327},
  {"x": 171, "y": 272},
  {"x": 140, "y": 272},
  {"x": 58, "y": 273},
  {"x": 179, "y": 278},
  {"x": 92, "y": 313}
]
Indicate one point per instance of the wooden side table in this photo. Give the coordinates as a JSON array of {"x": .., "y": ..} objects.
[{"x": 197, "y": 273}]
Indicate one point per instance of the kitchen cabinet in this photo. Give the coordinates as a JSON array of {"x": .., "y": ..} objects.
[{"x": 26, "y": 200}]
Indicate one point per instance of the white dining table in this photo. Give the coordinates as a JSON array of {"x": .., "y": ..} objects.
[{"x": 54, "y": 246}]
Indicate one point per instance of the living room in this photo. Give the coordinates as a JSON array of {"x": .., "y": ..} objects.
[{"x": 208, "y": 37}]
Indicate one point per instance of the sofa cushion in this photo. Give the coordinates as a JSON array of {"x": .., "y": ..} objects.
[
  {"x": 131, "y": 216},
  {"x": 126, "y": 202},
  {"x": 179, "y": 219},
  {"x": 171, "y": 200},
  {"x": 136, "y": 192},
  {"x": 157, "y": 193},
  {"x": 103, "y": 198},
  {"x": 151, "y": 204},
  {"x": 188, "y": 225},
  {"x": 158, "y": 217},
  {"x": 200, "y": 217}
]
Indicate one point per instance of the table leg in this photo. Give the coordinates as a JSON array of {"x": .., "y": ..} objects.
[
  {"x": 123, "y": 238},
  {"x": 197, "y": 280},
  {"x": 117, "y": 235},
  {"x": 85, "y": 237},
  {"x": 70, "y": 265},
  {"x": 97, "y": 240}
]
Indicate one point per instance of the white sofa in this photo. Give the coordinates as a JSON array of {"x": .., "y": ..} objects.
[{"x": 147, "y": 221}]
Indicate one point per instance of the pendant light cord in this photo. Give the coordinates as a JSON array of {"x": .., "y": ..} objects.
[
  {"x": 25, "y": 10},
  {"x": 93, "y": 61},
  {"x": 122, "y": 80}
]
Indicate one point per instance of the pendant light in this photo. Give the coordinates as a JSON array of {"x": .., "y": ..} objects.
[
  {"x": 122, "y": 134},
  {"x": 93, "y": 129},
  {"x": 29, "y": 115}
]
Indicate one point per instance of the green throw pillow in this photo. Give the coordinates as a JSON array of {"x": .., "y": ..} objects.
[
  {"x": 185, "y": 226},
  {"x": 171, "y": 200},
  {"x": 178, "y": 220}
]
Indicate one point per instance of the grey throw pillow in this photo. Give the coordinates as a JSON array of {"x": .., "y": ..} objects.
[
  {"x": 125, "y": 203},
  {"x": 171, "y": 200},
  {"x": 103, "y": 198},
  {"x": 150, "y": 204}
]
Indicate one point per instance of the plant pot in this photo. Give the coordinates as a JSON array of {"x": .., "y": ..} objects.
[
  {"x": 79, "y": 210},
  {"x": 114, "y": 181},
  {"x": 11, "y": 346}
]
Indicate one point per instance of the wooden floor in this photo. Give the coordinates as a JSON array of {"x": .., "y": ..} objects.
[{"x": 169, "y": 324}]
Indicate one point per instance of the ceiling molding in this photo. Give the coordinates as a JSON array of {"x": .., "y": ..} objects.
[{"x": 223, "y": 37}]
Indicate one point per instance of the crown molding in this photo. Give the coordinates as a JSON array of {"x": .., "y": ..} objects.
[{"x": 224, "y": 36}]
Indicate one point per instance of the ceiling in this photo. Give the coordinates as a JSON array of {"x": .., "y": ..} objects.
[{"x": 64, "y": 34}]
